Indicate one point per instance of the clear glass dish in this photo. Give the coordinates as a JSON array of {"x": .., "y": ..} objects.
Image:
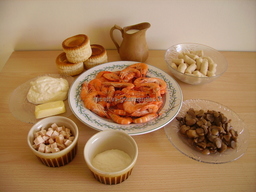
[
  {"x": 24, "y": 110},
  {"x": 216, "y": 56},
  {"x": 179, "y": 142}
]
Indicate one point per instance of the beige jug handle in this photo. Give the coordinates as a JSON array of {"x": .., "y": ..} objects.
[{"x": 112, "y": 36}]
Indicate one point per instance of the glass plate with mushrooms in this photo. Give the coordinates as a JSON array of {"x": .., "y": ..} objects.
[{"x": 208, "y": 132}]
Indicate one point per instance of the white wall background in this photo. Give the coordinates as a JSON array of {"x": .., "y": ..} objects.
[{"x": 228, "y": 25}]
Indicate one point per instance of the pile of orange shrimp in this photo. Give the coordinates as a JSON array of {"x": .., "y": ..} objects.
[{"x": 126, "y": 96}]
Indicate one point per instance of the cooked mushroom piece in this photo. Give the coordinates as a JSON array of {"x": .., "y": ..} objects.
[{"x": 209, "y": 132}]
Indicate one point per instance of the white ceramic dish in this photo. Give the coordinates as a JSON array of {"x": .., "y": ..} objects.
[
  {"x": 108, "y": 140},
  {"x": 178, "y": 141},
  {"x": 173, "y": 101},
  {"x": 62, "y": 157},
  {"x": 24, "y": 110}
]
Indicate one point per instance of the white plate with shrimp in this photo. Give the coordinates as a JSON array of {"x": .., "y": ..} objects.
[{"x": 172, "y": 101}]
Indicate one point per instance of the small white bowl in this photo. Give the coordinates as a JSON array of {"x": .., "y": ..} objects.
[
  {"x": 62, "y": 157},
  {"x": 216, "y": 56},
  {"x": 107, "y": 140}
]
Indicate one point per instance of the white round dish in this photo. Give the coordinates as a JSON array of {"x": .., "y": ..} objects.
[
  {"x": 24, "y": 110},
  {"x": 62, "y": 157},
  {"x": 173, "y": 101},
  {"x": 109, "y": 140},
  {"x": 179, "y": 142}
]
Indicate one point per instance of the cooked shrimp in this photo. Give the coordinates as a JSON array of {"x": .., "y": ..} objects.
[
  {"x": 119, "y": 112},
  {"x": 110, "y": 95},
  {"x": 129, "y": 73},
  {"x": 95, "y": 85},
  {"x": 131, "y": 106},
  {"x": 125, "y": 96},
  {"x": 136, "y": 93},
  {"x": 146, "y": 118},
  {"x": 100, "y": 76},
  {"x": 111, "y": 76},
  {"x": 120, "y": 120},
  {"x": 149, "y": 108},
  {"x": 153, "y": 87},
  {"x": 118, "y": 98},
  {"x": 162, "y": 84},
  {"x": 91, "y": 104},
  {"x": 125, "y": 86},
  {"x": 104, "y": 89},
  {"x": 84, "y": 91},
  {"x": 119, "y": 106},
  {"x": 142, "y": 67},
  {"x": 159, "y": 103}
]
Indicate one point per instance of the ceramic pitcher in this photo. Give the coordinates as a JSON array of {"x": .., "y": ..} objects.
[{"x": 133, "y": 46}]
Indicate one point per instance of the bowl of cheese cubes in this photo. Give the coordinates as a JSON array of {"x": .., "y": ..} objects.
[
  {"x": 54, "y": 140},
  {"x": 194, "y": 63}
]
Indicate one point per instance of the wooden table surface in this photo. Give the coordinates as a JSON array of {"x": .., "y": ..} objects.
[{"x": 160, "y": 166}]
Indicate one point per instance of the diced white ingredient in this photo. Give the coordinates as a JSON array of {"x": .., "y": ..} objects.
[
  {"x": 59, "y": 129},
  {"x": 48, "y": 149},
  {"x": 63, "y": 133},
  {"x": 61, "y": 146},
  {"x": 71, "y": 138},
  {"x": 54, "y": 150},
  {"x": 67, "y": 142},
  {"x": 42, "y": 132},
  {"x": 41, "y": 148},
  {"x": 35, "y": 146},
  {"x": 55, "y": 134},
  {"x": 54, "y": 125},
  {"x": 38, "y": 140},
  {"x": 54, "y": 145},
  {"x": 45, "y": 138},
  {"x": 60, "y": 139},
  {"x": 52, "y": 139},
  {"x": 36, "y": 134},
  {"x": 67, "y": 130},
  {"x": 49, "y": 132}
]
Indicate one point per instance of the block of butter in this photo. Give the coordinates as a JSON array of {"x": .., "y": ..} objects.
[{"x": 49, "y": 109}]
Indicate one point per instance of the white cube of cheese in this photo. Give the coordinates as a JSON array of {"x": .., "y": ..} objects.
[
  {"x": 41, "y": 148},
  {"x": 38, "y": 140}
]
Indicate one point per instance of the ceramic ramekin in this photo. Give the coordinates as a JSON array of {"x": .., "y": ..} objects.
[
  {"x": 62, "y": 157},
  {"x": 107, "y": 140}
]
